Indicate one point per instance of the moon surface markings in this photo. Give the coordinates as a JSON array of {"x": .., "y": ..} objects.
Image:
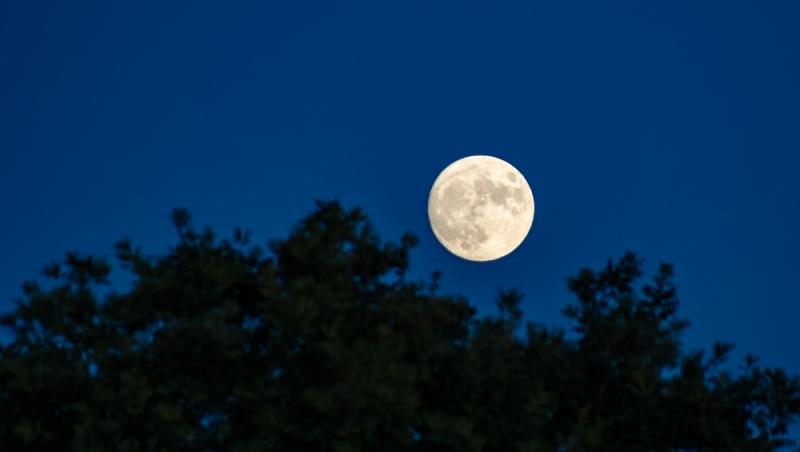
[{"x": 478, "y": 208}]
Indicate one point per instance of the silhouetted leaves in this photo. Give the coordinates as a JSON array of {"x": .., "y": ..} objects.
[{"x": 321, "y": 343}]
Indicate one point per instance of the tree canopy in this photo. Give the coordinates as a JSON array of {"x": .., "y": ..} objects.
[{"x": 321, "y": 342}]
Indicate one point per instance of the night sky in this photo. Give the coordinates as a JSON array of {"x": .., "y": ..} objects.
[{"x": 671, "y": 129}]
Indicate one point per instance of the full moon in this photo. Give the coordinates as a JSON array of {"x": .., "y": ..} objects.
[{"x": 480, "y": 208}]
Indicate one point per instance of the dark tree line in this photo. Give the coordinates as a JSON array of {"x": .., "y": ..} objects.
[{"x": 321, "y": 343}]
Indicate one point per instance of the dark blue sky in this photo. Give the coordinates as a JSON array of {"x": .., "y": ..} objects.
[{"x": 671, "y": 129}]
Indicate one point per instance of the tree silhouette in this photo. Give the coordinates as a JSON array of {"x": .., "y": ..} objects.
[{"x": 323, "y": 344}]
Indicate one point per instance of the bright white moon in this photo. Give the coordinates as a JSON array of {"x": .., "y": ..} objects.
[{"x": 480, "y": 208}]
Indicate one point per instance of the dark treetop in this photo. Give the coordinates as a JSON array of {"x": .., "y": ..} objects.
[{"x": 323, "y": 344}]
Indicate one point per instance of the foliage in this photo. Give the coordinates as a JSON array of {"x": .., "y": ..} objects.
[{"x": 324, "y": 344}]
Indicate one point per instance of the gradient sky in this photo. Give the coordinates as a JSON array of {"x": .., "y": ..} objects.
[{"x": 668, "y": 128}]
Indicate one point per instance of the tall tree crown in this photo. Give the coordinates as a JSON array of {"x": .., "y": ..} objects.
[{"x": 320, "y": 342}]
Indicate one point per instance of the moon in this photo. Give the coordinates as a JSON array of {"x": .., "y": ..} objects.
[{"x": 480, "y": 208}]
